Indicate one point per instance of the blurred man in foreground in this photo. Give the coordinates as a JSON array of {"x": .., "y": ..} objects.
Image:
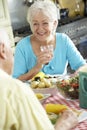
[{"x": 19, "y": 107}]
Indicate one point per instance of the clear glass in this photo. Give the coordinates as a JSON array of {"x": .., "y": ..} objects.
[{"x": 46, "y": 47}]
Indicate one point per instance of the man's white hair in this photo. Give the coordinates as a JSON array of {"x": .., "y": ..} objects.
[{"x": 4, "y": 37}]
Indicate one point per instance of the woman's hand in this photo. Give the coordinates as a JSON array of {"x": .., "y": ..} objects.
[
  {"x": 44, "y": 58},
  {"x": 67, "y": 121},
  {"x": 82, "y": 69}
]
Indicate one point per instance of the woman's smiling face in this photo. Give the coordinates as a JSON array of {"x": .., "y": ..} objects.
[{"x": 42, "y": 26}]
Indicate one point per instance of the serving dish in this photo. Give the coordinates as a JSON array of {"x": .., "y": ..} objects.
[
  {"x": 51, "y": 91},
  {"x": 69, "y": 87},
  {"x": 44, "y": 85}
]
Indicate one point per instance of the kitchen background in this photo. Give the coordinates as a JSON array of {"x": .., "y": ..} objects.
[
  {"x": 73, "y": 20},
  {"x": 18, "y": 14}
]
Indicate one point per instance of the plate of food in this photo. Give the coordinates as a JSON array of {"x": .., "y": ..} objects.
[
  {"x": 42, "y": 84},
  {"x": 69, "y": 87},
  {"x": 42, "y": 97},
  {"x": 54, "y": 111}
]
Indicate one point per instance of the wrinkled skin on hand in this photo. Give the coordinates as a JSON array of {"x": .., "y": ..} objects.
[
  {"x": 44, "y": 58},
  {"x": 67, "y": 121}
]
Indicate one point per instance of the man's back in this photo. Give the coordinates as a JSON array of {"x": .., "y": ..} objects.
[{"x": 19, "y": 108}]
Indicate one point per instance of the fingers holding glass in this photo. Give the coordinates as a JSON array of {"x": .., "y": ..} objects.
[{"x": 47, "y": 52}]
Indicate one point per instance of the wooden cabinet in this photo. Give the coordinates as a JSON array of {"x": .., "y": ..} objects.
[{"x": 5, "y": 21}]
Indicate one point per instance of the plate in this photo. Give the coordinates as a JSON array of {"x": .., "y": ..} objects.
[
  {"x": 45, "y": 96},
  {"x": 51, "y": 90},
  {"x": 82, "y": 116}
]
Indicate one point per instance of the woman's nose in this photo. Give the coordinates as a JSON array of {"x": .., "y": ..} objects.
[{"x": 40, "y": 26}]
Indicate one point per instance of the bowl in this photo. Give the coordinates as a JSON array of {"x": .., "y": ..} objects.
[
  {"x": 52, "y": 90},
  {"x": 44, "y": 86},
  {"x": 69, "y": 88},
  {"x": 70, "y": 94}
]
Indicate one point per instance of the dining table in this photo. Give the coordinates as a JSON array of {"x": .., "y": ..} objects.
[{"x": 73, "y": 104}]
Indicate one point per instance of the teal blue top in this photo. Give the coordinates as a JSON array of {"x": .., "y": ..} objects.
[{"x": 65, "y": 52}]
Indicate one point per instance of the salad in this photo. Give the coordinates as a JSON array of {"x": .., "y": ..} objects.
[{"x": 69, "y": 87}]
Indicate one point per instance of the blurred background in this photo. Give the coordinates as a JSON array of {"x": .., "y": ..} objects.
[{"x": 72, "y": 20}]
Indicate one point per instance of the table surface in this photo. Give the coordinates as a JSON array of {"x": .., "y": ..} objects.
[{"x": 58, "y": 98}]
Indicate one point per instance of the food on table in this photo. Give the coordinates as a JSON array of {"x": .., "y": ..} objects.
[
  {"x": 34, "y": 84},
  {"x": 54, "y": 111},
  {"x": 55, "y": 108},
  {"x": 53, "y": 117},
  {"x": 69, "y": 87},
  {"x": 41, "y": 85},
  {"x": 41, "y": 82},
  {"x": 38, "y": 76},
  {"x": 59, "y": 111},
  {"x": 39, "y": 95}
]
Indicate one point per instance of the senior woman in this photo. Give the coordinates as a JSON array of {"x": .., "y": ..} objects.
[{"x": 30, "y": 58}]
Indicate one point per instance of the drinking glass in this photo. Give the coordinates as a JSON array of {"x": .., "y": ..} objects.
[{"x": 48, "y": 48}]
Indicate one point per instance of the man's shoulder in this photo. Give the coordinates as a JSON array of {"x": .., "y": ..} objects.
[{"x": 11, "y": 84}]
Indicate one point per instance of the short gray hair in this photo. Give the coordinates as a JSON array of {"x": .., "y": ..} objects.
[
  {"x": 4, "y": 36},
  {"x": 46, "y": 6}
]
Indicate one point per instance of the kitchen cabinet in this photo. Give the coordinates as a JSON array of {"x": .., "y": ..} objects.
[{"x": 5, "y": 21}]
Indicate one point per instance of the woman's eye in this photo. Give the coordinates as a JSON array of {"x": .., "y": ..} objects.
[
  {"x": 35, "y": 24},
  {"x": 42, "y": 24},
  {"x": 45, "y": 23}
]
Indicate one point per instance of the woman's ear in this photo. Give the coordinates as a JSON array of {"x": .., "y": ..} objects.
[
  {"x": 2, "y": 51},
  {"x": 55, "y": 24}
]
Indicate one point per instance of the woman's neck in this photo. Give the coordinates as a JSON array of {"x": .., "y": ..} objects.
[{"x": 50, "y": 40}]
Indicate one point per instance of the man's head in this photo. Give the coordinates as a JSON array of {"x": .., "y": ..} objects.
[{"x": 6, "y": 55}]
